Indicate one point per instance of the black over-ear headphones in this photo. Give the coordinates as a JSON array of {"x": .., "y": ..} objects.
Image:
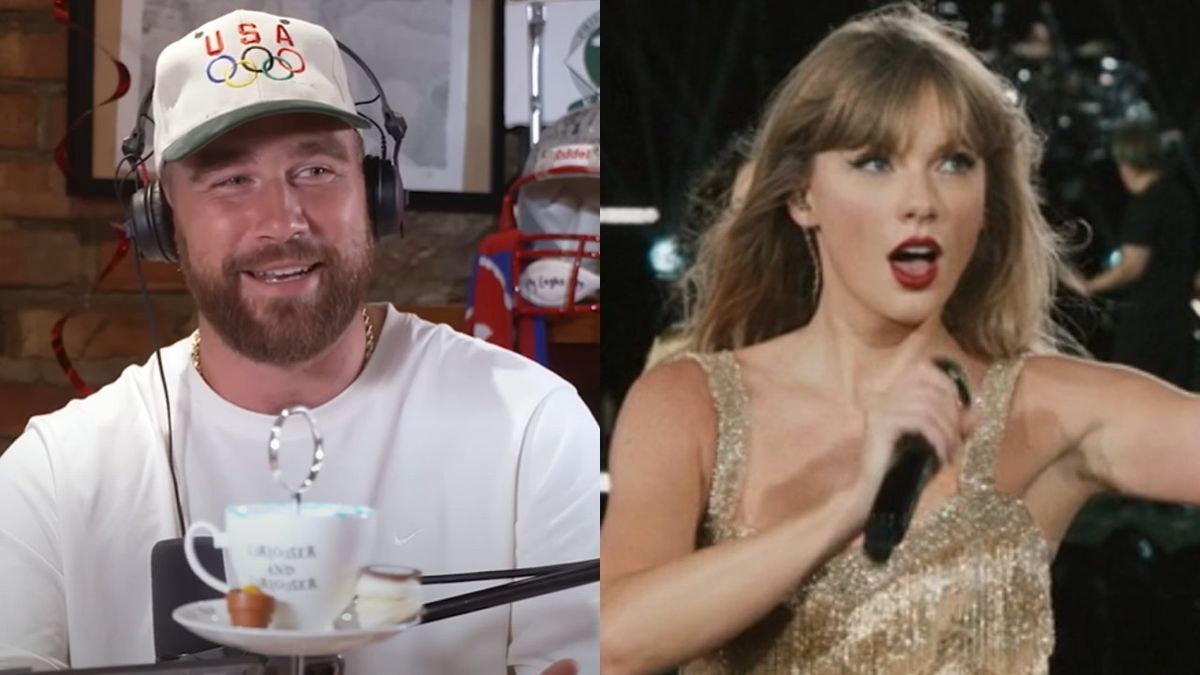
[{"x": 151, "y": 226}]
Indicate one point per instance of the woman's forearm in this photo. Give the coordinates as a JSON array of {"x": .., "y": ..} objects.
[{"x": 657, "y": 618}]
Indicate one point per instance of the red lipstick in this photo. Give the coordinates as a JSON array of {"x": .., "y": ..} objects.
[{"x": 914, "y": 262}]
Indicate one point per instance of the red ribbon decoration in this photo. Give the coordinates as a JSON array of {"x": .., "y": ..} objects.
[
  {"x": 63, "y": 15},
  {"x": 56, "y": 332}
]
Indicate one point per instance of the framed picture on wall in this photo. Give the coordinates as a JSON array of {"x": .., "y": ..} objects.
[{"x": 439, "y": 61}]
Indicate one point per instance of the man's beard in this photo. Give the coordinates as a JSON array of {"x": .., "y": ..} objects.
[{"x": 282, "y": 331}]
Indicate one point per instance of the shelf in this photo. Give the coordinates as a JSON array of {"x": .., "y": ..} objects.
[{"x": 569, "y": 329}]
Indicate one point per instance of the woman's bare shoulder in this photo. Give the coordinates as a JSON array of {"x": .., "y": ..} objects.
[
  {"x": 1076, "y": 393},
  {"x": 658, "y": 469},
  {"x": 679, "y": 386},
  {"x": 1085, "y": 378},
  {"x": 671, "y": 410}
]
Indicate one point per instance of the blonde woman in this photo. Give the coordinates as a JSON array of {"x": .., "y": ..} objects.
[{"x": 891, "y": 219}]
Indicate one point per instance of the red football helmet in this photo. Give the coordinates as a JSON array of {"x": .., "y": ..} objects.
[{"x": 555, "y": 208}]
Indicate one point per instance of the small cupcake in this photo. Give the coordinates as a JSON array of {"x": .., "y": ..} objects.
[
  {"x": 387, "y": 595},
  {"x": 249, "y": 607}
]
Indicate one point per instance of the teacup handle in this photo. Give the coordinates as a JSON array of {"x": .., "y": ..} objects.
[{"x": 189, "y": 551}]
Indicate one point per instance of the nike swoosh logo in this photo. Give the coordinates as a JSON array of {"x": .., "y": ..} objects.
[{"x": 402, "y": 541}]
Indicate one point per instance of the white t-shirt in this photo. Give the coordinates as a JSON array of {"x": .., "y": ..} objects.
[{"x": 474, "y": 457}]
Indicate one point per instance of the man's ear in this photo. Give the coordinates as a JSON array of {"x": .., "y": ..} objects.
[{"x": 801, "y": 211}]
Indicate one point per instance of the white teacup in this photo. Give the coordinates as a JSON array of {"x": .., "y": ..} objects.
[{"x": 308, "y": 559}]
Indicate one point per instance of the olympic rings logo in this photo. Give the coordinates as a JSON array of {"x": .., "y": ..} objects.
[{"x": 266, "y": 67}]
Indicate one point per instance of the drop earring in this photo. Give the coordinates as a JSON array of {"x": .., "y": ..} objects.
[{"x": 810, "y": 241}]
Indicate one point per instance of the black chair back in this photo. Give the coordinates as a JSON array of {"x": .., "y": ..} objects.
[{"x": 173, "y": 584}]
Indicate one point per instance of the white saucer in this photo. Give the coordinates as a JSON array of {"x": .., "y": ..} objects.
[{"x": 210, "y": 620}]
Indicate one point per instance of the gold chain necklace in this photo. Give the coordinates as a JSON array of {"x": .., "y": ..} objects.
[{"x": 370, "y": 348}]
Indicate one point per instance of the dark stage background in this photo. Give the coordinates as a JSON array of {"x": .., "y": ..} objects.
[{"x": 683, "y": 76}]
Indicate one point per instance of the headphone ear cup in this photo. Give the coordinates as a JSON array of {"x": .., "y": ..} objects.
[
  {"x": 399, "y": 195},
  {"x": 151, "y": 226},
  {"x": 385, "y": 197},
  {"x": 370, "y": 167}
]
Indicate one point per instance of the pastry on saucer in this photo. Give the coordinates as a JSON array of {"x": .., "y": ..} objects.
[
  {"x": 249, "y": 607},
  {"x": 387, "y": 595}
]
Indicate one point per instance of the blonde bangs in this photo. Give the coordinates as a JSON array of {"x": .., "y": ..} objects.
[{"x": 874, "y": 103}]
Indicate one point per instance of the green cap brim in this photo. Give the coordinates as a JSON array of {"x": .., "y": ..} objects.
[{"x": 222, "y": 124}]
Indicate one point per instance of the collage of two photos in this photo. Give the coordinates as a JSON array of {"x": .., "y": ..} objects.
[{"x": 304, "y": 366}]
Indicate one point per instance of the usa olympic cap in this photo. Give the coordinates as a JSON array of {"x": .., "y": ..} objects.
[{"x": 240, "y": 67}]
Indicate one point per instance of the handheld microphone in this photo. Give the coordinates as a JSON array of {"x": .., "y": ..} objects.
[{"x": 915, "y": 462}]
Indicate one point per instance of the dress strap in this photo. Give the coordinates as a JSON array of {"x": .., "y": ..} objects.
[
  {"x": 730, "y": 401},
  {"x": 979, "y": 468}
]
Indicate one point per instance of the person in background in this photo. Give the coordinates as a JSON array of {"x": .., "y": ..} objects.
[{"x": 1157, "y": 261}]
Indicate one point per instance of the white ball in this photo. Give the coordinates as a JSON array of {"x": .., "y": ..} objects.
[{"x": 544, "y": 282}]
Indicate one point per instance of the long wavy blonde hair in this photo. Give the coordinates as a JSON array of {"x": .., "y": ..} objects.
[{"x": 754, "y": 279}]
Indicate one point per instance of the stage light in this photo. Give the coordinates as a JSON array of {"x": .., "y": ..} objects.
[
  {"x": 666, "y": 258},
  {"x": 628, "y": 215}
]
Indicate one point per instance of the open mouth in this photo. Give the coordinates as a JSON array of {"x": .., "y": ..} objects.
[
  {"x": 914, "y": 262},
  {"x": 282, "y": 275}
]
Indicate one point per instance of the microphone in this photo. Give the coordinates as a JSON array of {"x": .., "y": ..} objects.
[{"x": 915, "y": 462}]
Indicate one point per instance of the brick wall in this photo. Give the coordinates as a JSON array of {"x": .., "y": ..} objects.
[{"x": 53, "y": 247}]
